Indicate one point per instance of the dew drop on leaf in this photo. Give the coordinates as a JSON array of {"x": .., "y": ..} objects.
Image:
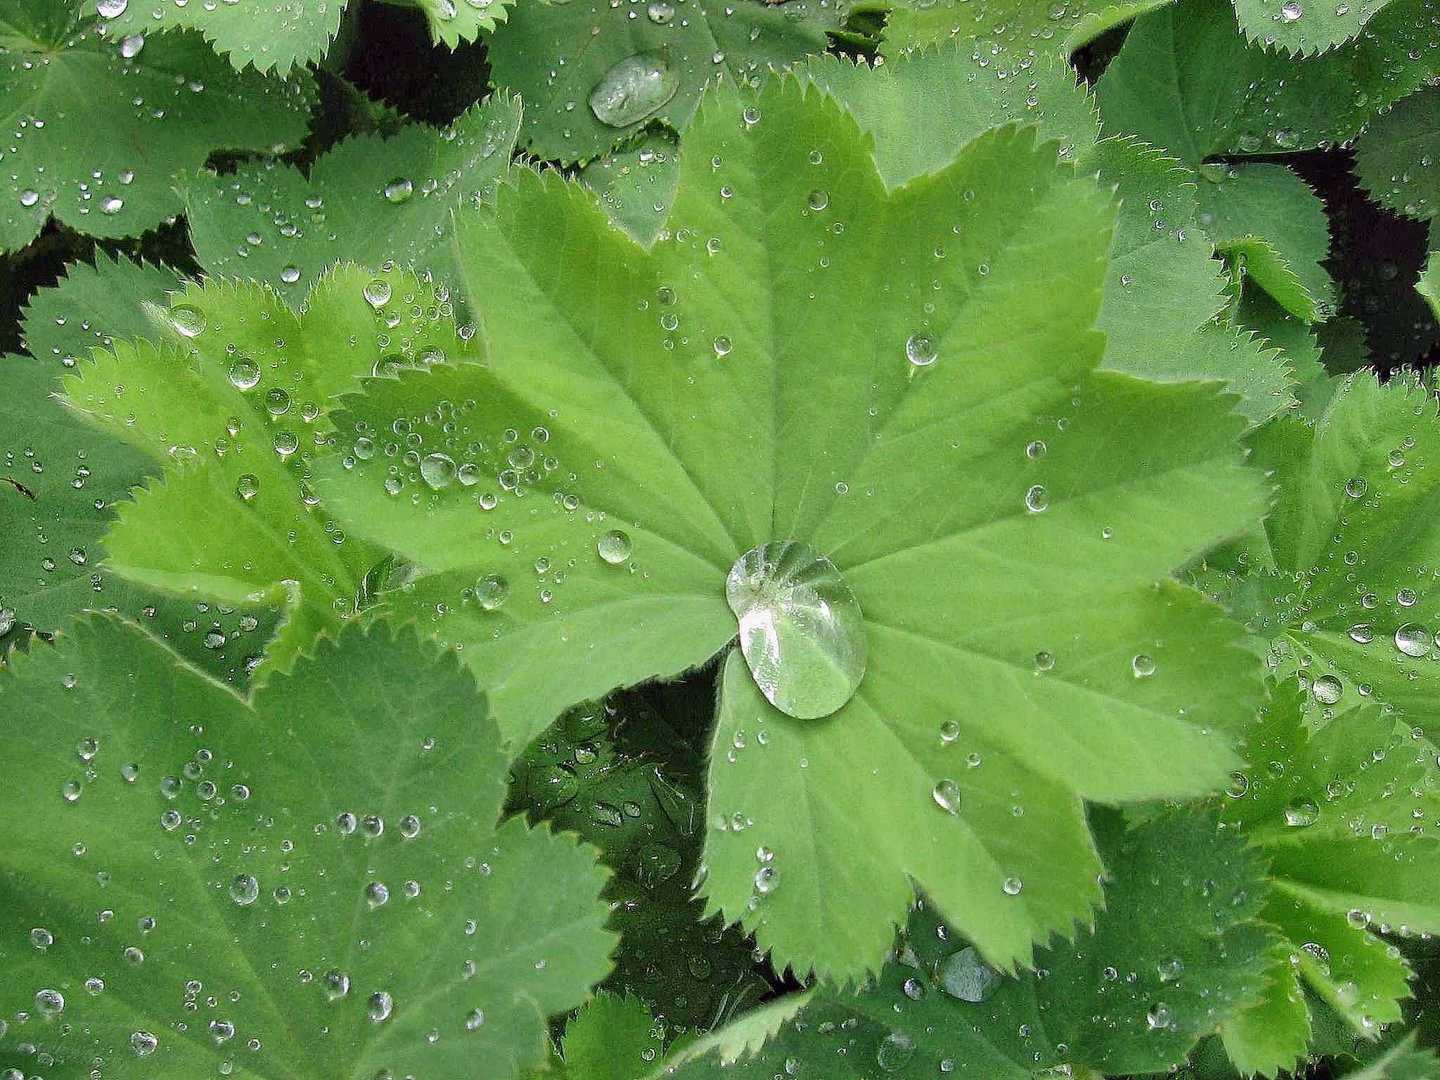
[
  {"x": 1326, "y": 689},
  {"x": 613, "y": 546},
  {"x": 801, "y": 629},
  {"x": 946, "y": 794},
  {"x": 633, "y": 89},
  {"x": 1301, "y": 813},
  {"x": 244, "y": 890},
  {"x": 438, "y": 470},
  {"x": 491, "y": 592},
  {"x": 399, "y": 190},
  {"x": 111, "y": 9},
  {"x": 380, "y": 1006},
  {"x": 188, "y": 321},
  {"x": 895, "y": 1051},
  {"x": 921, "y": 350},
  {"x": 377, "y": 293},
  {"x": 1413, "y": 639},
  {"x": 1143, "y": 666}
]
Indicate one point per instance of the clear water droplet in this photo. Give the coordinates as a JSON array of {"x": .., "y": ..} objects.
[
  {"x": 895, "y": 1051},
  {"x": 1301, "y": 813},
  {"x": 1143, "y": 666},
  {"x": 946, "y": 794},
  {"x": 380, "y": 1007},
  {"x": 438, "y": 470},
  {"x": 244, "y": 890},
  {"x": 491, "y": 592},
  {"x": 111, "y": 9},
  {"x": 613, "y": 546},
  {"x": 188, "y": 321},
  {"x": 921, "y": 350},
  {"x": 1412, "y": 639},
  {"x": 1290, "y": 11},
  {"x": 1327, "y": 689},
  {"x": 633, "y": 89},
  {"x": 377, "y": 293},
  {"x": 245, "y": 374},
  {"x": 399, "y": 190},
  {"x": 801, "y": 629}
]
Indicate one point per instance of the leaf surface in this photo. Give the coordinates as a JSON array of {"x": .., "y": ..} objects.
[
  {"x": 312, "y": 885},
  {"x": 1301, "y": 28},
  {"x": 1130, "y": 996},
  {"x": 693, "y": 397},
  {"x": 368, "y": 201},
  {"x": 592, "y": 73},
  {"x": 1395, "y": 157},
  {"x": 101, "y": 136}
]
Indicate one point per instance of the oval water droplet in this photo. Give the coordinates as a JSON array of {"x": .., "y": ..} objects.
[
  {"x": 633, "y": 89},
  {"x": 966, "y": 977},
  {"x": 946, "y": 794},
  {"x": 188, "y": 321},
  {"x": 1291, "y": 11},
  {"x": 244, "y": 374},
  {"x": 399, "y": 190},
  {"x": 801, "y": 629},
  {"x": 491, "y": 592},
  {"x": 380, "y": 1006},
  {"x": 895, "y": 1051},
  {"x": 1412, "y": 639},
  {"x": 1327, "y": 689},
  {"x": 111, "y": 9},
  {"x": 1301, "y": 813},
  {"x": 377, "y": 293},
  {"x": 613, "y": 546},
  {"x": 438, "y": 470}
]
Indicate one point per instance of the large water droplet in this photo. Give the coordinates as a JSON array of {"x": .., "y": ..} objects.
[
  {"x": 111, "y": 9},
  {"x": 491, "y": 591},
  {"x": 244, "y": 890},
  {"x": 633, "y": 89},
  {"x": 613, "y": 546},
  {"x": 1412, "y": 639},
  {"x": 895, "y": 1051},
  {"x": 438, "y": 470},
  {"x": 399, "y": 190},
  {"x": 801, "y": 629},
  {"x": 187, "y": 320},
  {"x": 946, "y": 794}
]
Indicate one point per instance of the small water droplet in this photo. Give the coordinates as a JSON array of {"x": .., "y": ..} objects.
[
  {"x": 1301, "y": 813},
  {"x": 380, "y": 1006},
  {"x": 946, "y": 794},
  {"x": 613, "y": 546},
  {"x": 1290, "y": 11},
  {"x": 438, "y": 470},
  {"x": 491, "y": 592},
  {"x": 1143, "y": 666},
  {"x": 377, "y": 293},
  {"x": 398, "y": 190},
  {"x": 244, "y": 890},
  {"x": 921, "y": 350}
]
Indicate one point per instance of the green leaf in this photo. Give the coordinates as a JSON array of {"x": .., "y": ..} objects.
[
  {"x": 315, "y": 883},
  {"x": 1245, "y": 203},
  {"x": 1303, "y": 28},
  {"x": 1395, "y": 157},
  {"x": 368, "y": 201},
  {"x": 1429, "y": 284},
  {"x": 637, "y": 185},
  {"x": 591, "y": 74},
  {"x": 453, "y": 22},
  {"x": 277, "y": 36},
  {"x": 599, "y": 772},
  {"x": 1188, "y": 81},
  {"x": 1406, "y": 1060},
  {"x": 1131, "y": 996},
  {"x": 92, "y": 306},
  {"x": 1019, "y": 28},
  {"x": 86, "y": 153},
  {"x": 924, "y": 105},
  {"x": 1271, "y": 1035},
  {"x": 233, "y": 406},
  {"x": 612, "y": 1038},
  {"x": 1342, "y": 566},
  {"x": 704, "y": 380}
]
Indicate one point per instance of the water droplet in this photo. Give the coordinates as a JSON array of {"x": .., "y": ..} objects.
[
  {"x": 377, "y": 293},
  {"x": 380, "y": 1006},
  {"x": 244, "y": 374},
  {"x": 633, "y": 89},
  {"x": 659, "y": 12},
  {"x": 49, "y": 1002},
  {"x": 1327, "y": 689},
  {"x": 475, "y": 1020},
  {"x": 335, "y": 984},
  {"x": 247, "y": 487},
  {"x": 613, "y": 546},
  {"x": 721, "y": 345},
  {"x": 399, "y": 190},
  {"x": 1037, "y": 499},
  {"x": 921, "y": 350},
  {"x": 819, "y": 199},
  {"x": 438, "y": 470},
  {"x": 1142, "y": 665},
  {"x": 41, "y": 938},
  {"x": 491, "y": 592},
  {"x": 949, "y": 732},
  {"x": 188, "y": 321},
  {"x": 244, "y": 890},
  {"x": 1012, "y": 886},
  {"x": 289, "y": 274},
  {"x": 1355, "y": 487},
  {"x": 801, "y": 629},
  {"x": 1170, "y": 969},
  {"x": 376, "y": 894},
  {"x": 895, "y": 1051},
  {"x": 1362, "y": 634},
  {"x": 1290, "y": 11},
  {"x": 767, "y": 880},
  {"x": 111, "y": 9},
  {"x": 946, "y": 794},
  {"x": 1412, "y": 639},
  {"x": 1301, "y": 813},
  {"x": 142, "y": 1042},
  {"x": 112, "y": 204},
  {"x": 1159, "y": 1017}
]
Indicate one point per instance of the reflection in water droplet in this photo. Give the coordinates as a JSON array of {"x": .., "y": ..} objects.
[
  {"x": 613, "y": 546},
  {"x": 491, "y": 592},
  {"x": 1327, "y": 689},
  {"x": 967, "y": 977},
  {"x": 921, "y": 350},
  {"x": 801, "y": 629},
  {"x": 399, "y": 190},
  {"x": 244, "y": 890},
  {"x": 1301, "y": 813},
  {"x": 187, "y": 321},
  {"x": 1142, "y": 665},
  {"x": 377, "y": 293},
  {"x": 895, "y": 1052},
  {"x": 1412, "y": 639},
  {"x": 946, "y": 794},
  {"x": 380, "y": 1006},
  {"x": 633, "y": 89},
  {"x": 438, "y": 470}
]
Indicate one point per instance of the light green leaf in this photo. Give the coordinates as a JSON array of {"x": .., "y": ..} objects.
[
  {"x": 612, "y": 1038},
  {"x": 1188, "y": 81},
  {"x": 1304, "y": 28},
  {"x": 233, "y": 406},
  {"x": 987, "y": 509},
  {"x": 312, "y": 885},
  {"x": 453, "y": 22},
  {"x": 368, "y": 201},
  {"x": 1342, "y": 566},
  {"x": 274, "y": 35},
  {"x": 1271, "y": 1035},
  {"x": 601, "y": 772},
  {"x": 1395, "y": 159},
  {"x": 741, "y": 1038},
  {"x": 86, "y": 153},
  {"x": 1019, "y": 28},
  {"x": 1131, "y": 996},
  {"x": 1429, "y": 284},
  {"x": 591, "y": 74},
  {"x": 1245, "y": 203}
]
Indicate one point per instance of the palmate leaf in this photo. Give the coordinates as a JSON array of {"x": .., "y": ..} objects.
[
  {"x": 1304, "y": 28},
  {"x": 612, "y": 1038},
  {"x": 368, "y": 201},
  {"x": 592, "y": 73},
  {"x": 1395, "y": 157},
  {"x": 1346, "y": 816},
  {"x": 310, "y": 885},
  {"x": 233, "y": 405},
  {"x": 646, "y": 816},
  {"x": 102, "y": 128},
  {"x": 1018, "y": 28},
  {"x": 1188, "y": 81},
  {"x": 1130, "y": 997},
  {"x": 71, "y": 477},
  {"x": 662, "y": 412},
  {"x": 1162, "y": 290},
  {"x": 1339, "y": 588}
]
